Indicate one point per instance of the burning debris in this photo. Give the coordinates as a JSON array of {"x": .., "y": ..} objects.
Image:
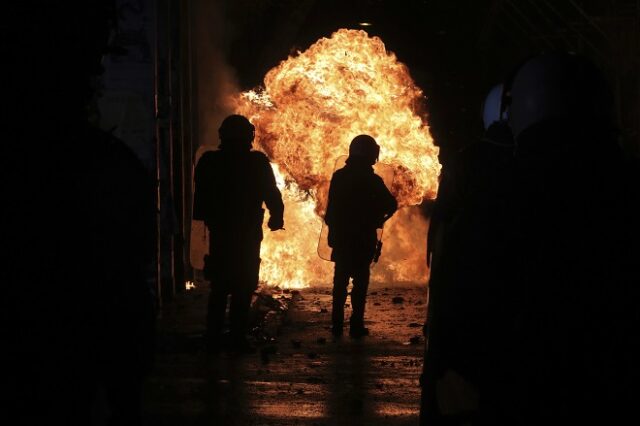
[
  {"x": 268, "y": 312},
  {"x": 306, "y": 114}
]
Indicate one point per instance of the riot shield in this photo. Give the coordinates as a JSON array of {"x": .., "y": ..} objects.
[{"x": 387, "y": 174}]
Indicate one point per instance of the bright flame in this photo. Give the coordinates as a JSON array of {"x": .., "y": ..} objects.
[{"x": 310, "y": 108}]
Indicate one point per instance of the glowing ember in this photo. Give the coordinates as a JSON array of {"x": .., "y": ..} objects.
[{"x": 309, "y": 109}]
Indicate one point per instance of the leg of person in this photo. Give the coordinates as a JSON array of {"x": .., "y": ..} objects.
[
  {"x": 247, "y": 272},
  {"x": 358, "y": 299},
  {"x": 340, "y": 283},
  {"x": 217, "y": 271},
  {"x": 239, "y": 316},
  {"x": 215, "y": 316}
]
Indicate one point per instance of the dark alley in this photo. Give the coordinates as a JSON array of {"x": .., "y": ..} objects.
[{"x": 319, "y": 213}]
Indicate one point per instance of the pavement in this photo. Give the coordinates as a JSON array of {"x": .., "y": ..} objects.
[{"x": 300, "y": 374}]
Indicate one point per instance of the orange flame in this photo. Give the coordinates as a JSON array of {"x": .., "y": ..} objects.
[{"x": 309, "y": 109}]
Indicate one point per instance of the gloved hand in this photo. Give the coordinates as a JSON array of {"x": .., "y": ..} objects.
[{"x": 275, "y": 223}]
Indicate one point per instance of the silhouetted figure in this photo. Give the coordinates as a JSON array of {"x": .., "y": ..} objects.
[
  {"x": 231, "y": 184},
  {"x": 542, "y": 322},
  {"x": 80, "y": 233},
  {"x": 122, "y": 305},
  {"x": 575, "y": 345},
  {"x": 359, "y": 203},
  {"x": 472, "y": 268}
]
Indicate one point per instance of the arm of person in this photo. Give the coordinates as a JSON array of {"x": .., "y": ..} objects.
[{"x": 272, "y": 197}]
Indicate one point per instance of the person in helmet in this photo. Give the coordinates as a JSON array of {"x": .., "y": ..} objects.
[
  {"x": 470, "y": 242},
  {"x": 577, "y": 207},
  {"x": 81, "y": 221},
  {"x": 359, "y": 203},
  {"x": 231, "y": 184}
]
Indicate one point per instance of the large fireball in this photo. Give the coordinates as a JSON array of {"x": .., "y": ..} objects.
[{"x": 310, "y": 108}]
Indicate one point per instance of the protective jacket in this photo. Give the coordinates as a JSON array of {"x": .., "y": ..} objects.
[
  {"x": 230, "y": 187},
  {"x": 359, "y": 203}
]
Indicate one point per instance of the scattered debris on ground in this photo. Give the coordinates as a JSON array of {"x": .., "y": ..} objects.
[{"x": 298, "y": 364}]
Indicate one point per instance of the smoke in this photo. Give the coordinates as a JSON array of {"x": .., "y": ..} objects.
[{"x": 216, "y": 80}]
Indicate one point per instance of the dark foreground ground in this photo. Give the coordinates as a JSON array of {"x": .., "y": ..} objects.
[{"x": 299, "y": 376}]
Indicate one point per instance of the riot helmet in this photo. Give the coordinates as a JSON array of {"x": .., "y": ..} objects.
[
  {"x": 494, "y": 117},
  {"x": 365, "y": 147},
  {"x": 492, "y": 109},
  {"x": 236, "y": 130},
  {"x": 560, "y": 87}
]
